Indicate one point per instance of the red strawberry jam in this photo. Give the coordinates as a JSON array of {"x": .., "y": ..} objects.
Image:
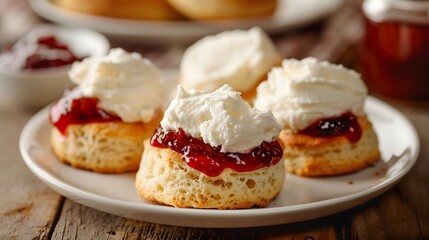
[
  {"x": 209, "y": 160},
  {"x": 50, "y": 52},
  {"x": 79, "y": 110},
  {"x": 35, "y": 52},
  {"x": 344, "y": 125}
]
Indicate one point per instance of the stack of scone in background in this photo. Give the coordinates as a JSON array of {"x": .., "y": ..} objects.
[{"x": 172, "y": 9}]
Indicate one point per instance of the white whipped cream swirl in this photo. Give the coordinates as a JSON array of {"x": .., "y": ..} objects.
[
  {"x": 125, "y": 83},
  {"x": 220, "y": 118},
  {"x": 301, "y": 92}
]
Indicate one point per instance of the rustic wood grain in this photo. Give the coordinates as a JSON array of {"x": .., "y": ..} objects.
[
  {"x": 80, "y": 222},
  {"x": 28, "y": 208},
  {"x": 388, "y": 217},
  {"x": 367, "y": 225},
  {"x": 414, "y": 188}
]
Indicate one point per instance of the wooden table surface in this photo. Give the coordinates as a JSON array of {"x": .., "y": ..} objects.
[{"x": 31, "y": 210}]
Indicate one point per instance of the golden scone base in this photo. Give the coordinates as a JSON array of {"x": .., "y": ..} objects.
[
  {"x": 313, "y": 157},
  {"x": 109, "y": 147},
  {"x": 164, "y": 177}
]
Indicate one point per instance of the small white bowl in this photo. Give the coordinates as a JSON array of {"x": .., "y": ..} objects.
[{"x": 36, "y": 88}]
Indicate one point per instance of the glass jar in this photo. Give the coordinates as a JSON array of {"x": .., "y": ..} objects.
[{"x": 395, "y": 48}]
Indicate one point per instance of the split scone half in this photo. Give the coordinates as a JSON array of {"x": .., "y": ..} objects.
[
  {"x": 321, "y": 109},
  {"x": 104, "y": 147},
  {"x": 212, "y": 151},
  {"x": 101, "y": 124},
  {"x": 323, "y": 156}
]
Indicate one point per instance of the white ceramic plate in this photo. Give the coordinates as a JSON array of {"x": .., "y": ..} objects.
[
  {"x": 300, "y": 199},
  {"x": 290, "y": 14}
]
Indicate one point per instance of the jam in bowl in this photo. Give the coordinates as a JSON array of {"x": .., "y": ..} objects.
[
  {"x": 33, "y": 70},
  {"x": 39, "y": 49}
]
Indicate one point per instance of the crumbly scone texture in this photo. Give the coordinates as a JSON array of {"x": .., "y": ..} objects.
[
  {"x": 314, "y": 157},
  {"x": 109, "y": 147},
  {"x": 164, "y": 177}
]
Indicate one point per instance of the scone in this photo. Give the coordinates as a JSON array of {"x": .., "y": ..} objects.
[
  {"x": 321, "y": 109},
  {"x": 127, "y": 9},
  {"x": 212, "y": 151},
  {"x": 101, "y": 124},
  {"x": 224, "y": 9},
  {"x": 239, "y": 58}
]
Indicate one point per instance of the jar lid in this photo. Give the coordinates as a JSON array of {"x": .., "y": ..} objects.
[{"x": 409, "y": 11}]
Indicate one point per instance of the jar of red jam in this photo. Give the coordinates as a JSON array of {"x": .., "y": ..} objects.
[{"x": 395, "y": 48}]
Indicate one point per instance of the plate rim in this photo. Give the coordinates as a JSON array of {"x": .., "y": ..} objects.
[
  {"x": 192, "y": 30},
  {"x": 350, "y": 200}
]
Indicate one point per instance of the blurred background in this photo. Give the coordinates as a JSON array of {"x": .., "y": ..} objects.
[
  {"x": 294, "y": 26},
  {"x": 385, "y": 40}
]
